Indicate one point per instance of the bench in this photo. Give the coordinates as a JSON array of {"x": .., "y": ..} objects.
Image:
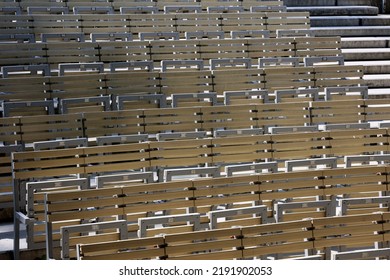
[
  {"x": 294, "y": 211},
  {"x": 22, "y": 54},
  {"x": 60, "y": 144},
  {"x": 64, "y": 37},
  {"x": 132, "y": 65},
  {"x": 245, "y": 97},
  {"x": 47, "y": 10},
  {"x": 300, "y": 145},
  {"x": 223, "y": 193},
  {"x": 42, "y": 128},
  {"x": 204, "y": 35},
  {"x": 285, "y": 240},
  {"x": 149, "y": 226},
  {"x": 344, "y": 126},
  {"x": 238, "y": 80},
  {"x": 180, "y": 135},
  {"x": 125, "y": 179},
  {"x": 185, "y": 173},
  {"x": 89, "y": 104},
  {"x": 182, "y": 9},
  {"x": 139, "y": 101},
  {"x": 289, "y": 78},
  {"x": 307, "y": 45},
  {"x": 6, "y": 200},
  {"x": 230, "y": 62},
  {"x": 292, "y": 129},
  {"x": 28, "y": 108},
  {"x": 365, "y": 159},
  {"x": 181, "y": 246},
  {"x": 171, "y": 120},
  {"x": 94, "y": 10},
  {"x": 139, "y": 10},
  {"x": 69, "y": 208},
  {"x": 368, "y": 254},
  {"x": 113, "y": 123},
  {"x": 237, "y": 132},
  {"x": 30, "y": 210},
  {"x": 243, "y": 216},
  {"x": 376, "y": 110},
  {"x": 294, "y": 33},
  {"x": 279, "y": 61},
  {"x": 270, "y": 48},
  {"x": 347, "y": 232},
  {"x": 76, "y": 54},
  {"x": 343, "y": 93},
  {"x": 18, "y": 38},
  {"x": 181, "y": 65},
  {"x": 97, "y": 37},
  {"x": 286, "y": 21},
  {"x": 291, "y": 95},
  {"x": 323, "y": 60},
  {"x": 257, "y": 167},
  {"x": 140, "y": 248},
  {"x": 278, "y": 240},
  {"x": 249, "y": 34},
  {"x": 121, "y": 51},
  {"x": 316, "y": 163},
  {"x": 193, "y": 99},
  {"x": 198, "y": 81},
  {"x": 233, "y": 118},
  {"x": 355, "y": 182},
  {"x": 241, "y": 149},
  {"x": 283, "y": 114},
  {"x": 204, "y": 245},
  {"x": 338, "y": 111},
  {"x": 358, "y": 142},
  {"x": 266, "y": 188},
  {"x": 10, "y": 10},
  {"x": 224, "y": 9},
  {"x": 73, "y": 235},
  {"x": 21, "y": 70},
  {"x": 364, "y": 205},
  {"x": 158, "y": 36},
  {"x": 341, "y": 75},
  {"x": 80, "y": 68}
]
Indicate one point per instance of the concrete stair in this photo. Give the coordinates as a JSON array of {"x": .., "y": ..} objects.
[
  {"x": 364, "y": 32},
  {"x": 337, "y": 11}
]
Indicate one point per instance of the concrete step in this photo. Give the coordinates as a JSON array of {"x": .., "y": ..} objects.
[
  {"x": 326, "y": 21},
  {"x": 376, "y": 67},
  {"x": 298, "y": 3},
  {"x": 336, "y": 10},
  {"x": 352, "y": 31},
  {"x": 365, "y": 42},
  {"x": 379, "y": 92},
  {"x": 366, "y": 54},
  {"x": 377, "y": 81}
]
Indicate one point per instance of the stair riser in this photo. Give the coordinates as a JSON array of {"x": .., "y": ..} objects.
[
  {"x": 357, "y": 32},
  {"x": 337, "y": 11},
  {"x": 300, "y": 3},
  {"x": 382, "y": 69},
  {"x": 366, "y": 56},
  {"x": 360, "y": 44},
  {"x": 385, "y": 83},
  {"x": 352, "y": 21}
]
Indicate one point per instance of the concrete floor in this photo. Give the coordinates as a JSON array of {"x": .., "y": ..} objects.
[{"x": 7, "y": 236}]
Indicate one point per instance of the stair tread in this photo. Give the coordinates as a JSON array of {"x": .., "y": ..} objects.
[
  {"x": 336, "y": 10},
  {"x": 368, "y": 62},
  {"x": 366, "y": 50}
]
